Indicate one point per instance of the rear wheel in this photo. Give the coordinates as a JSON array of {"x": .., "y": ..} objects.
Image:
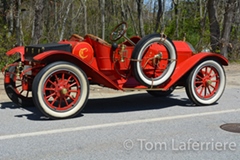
[
  {"x": 60, "y": 90},
  {"x": 15, "y": 92},
  {"x": 154, "y": 60},
  {"x": 206, "y": 83}
]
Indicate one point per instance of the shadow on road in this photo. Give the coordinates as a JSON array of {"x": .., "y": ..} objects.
[
  {"x": 34, "y": 114},
  {"x": 135, "y": 102},
  {"x": 127, "y": 103}
]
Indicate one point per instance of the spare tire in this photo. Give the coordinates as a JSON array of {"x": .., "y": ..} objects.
[{"x": 154, "y": 60}]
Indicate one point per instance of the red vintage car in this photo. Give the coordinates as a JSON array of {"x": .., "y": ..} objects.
[{"x": 56, "y": 77}]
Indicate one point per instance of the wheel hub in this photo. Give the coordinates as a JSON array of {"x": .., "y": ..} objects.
[
  {"x": 61, "y": 88},
  {"x": 156, "y": 59},
  {"x": 207, "y": 81},
  {"x": 64, "y": 91}
]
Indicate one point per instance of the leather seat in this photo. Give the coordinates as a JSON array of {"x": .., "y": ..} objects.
[{"x": 97, "y": 39}]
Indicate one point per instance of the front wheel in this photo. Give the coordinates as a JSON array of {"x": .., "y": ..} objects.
[
  {"x": 206, "y": 83},
  {"x": 60, "y": 90}
]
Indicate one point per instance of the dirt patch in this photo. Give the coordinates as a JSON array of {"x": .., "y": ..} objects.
[{"x": 233, "y": 75}]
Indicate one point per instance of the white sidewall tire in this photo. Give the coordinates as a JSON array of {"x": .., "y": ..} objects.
[
  {"x": 222, "y": 83},
  {"x": 81, "y": 101},
  {"x": 169, "y": 70}
]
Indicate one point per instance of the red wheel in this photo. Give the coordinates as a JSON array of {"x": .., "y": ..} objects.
[
  {"x": 206, "y": 83},
  {"x": 154, "y": 60},
  {"x": 15, "y": 92},
  {"x": 60, "y": 90}
]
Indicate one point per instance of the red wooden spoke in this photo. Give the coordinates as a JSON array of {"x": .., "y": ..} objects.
[
  {"x": 58, "y": 90},
  {"x": 66, "y": 102},
  {"x": 51, "y": 95},
  {"x": 50, "y": 89},
  {"x": 200, "y": 77},
  {"x": 55, "y": 99},
  {"x": 198, "y": 82},
  {"x": 73, "y": 84},
  {"x": 214, "y": 75},
  {"x": 202, "y": 90},
  {"x": 211, "y": 70},
  {"x": 56, "y": 77},
  {"x": 209, "y": 82},
  {"x": 208, "y": 88},
  {"x": 200, "y": 86},
  {"x": 51, "y": 82},
  {"x": 205, "y": 91}
]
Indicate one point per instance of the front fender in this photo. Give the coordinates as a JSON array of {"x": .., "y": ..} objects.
[
  {"x": 90, "y": 70},
  {"x": 16, "y": 50},
  {"x": 188, "y": 64}
]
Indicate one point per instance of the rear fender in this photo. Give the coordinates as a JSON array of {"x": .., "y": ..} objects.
[
  {"x": 91, "y": 71},
  {"x": 191, "y": 62},
  {"x": 16, "y": 50}
]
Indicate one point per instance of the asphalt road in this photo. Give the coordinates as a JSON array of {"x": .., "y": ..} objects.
[{"x": 116, "y": 125}]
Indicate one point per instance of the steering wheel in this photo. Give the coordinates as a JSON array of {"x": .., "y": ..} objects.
[{"x": 118, "y": 31}]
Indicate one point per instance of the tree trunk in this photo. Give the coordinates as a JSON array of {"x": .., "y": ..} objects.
[
  {"x": 11, "y": 18},
  {"x": 55, "y": 15},
  {"x": 140, "y": 17},
  {"x": 64, "y": 21},
  {"x": 163, "y": 15},
  {"x": 159, "y": 15},
  {"x": 85, "y": 16},
  {"x": 203, "y": 20},
  {"x": 18, "y": 25},
  {"x": 38, "y": 21},
  {"x": 102, "y": 6},
  {"x": 200, "y": 9},
  {"x": 132, "y": 19},
  {"x": 227, "y": 24},
  {"x": 176, "y": 12},
  {"x": 122, "y": 10},
  {"x": 154, "y": 4},
  {"x": 214, "y": 25},
  {"x": 5, "y": 7}
]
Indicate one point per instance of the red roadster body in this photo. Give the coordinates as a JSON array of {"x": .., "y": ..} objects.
[{"x": 55, "y": 77}]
